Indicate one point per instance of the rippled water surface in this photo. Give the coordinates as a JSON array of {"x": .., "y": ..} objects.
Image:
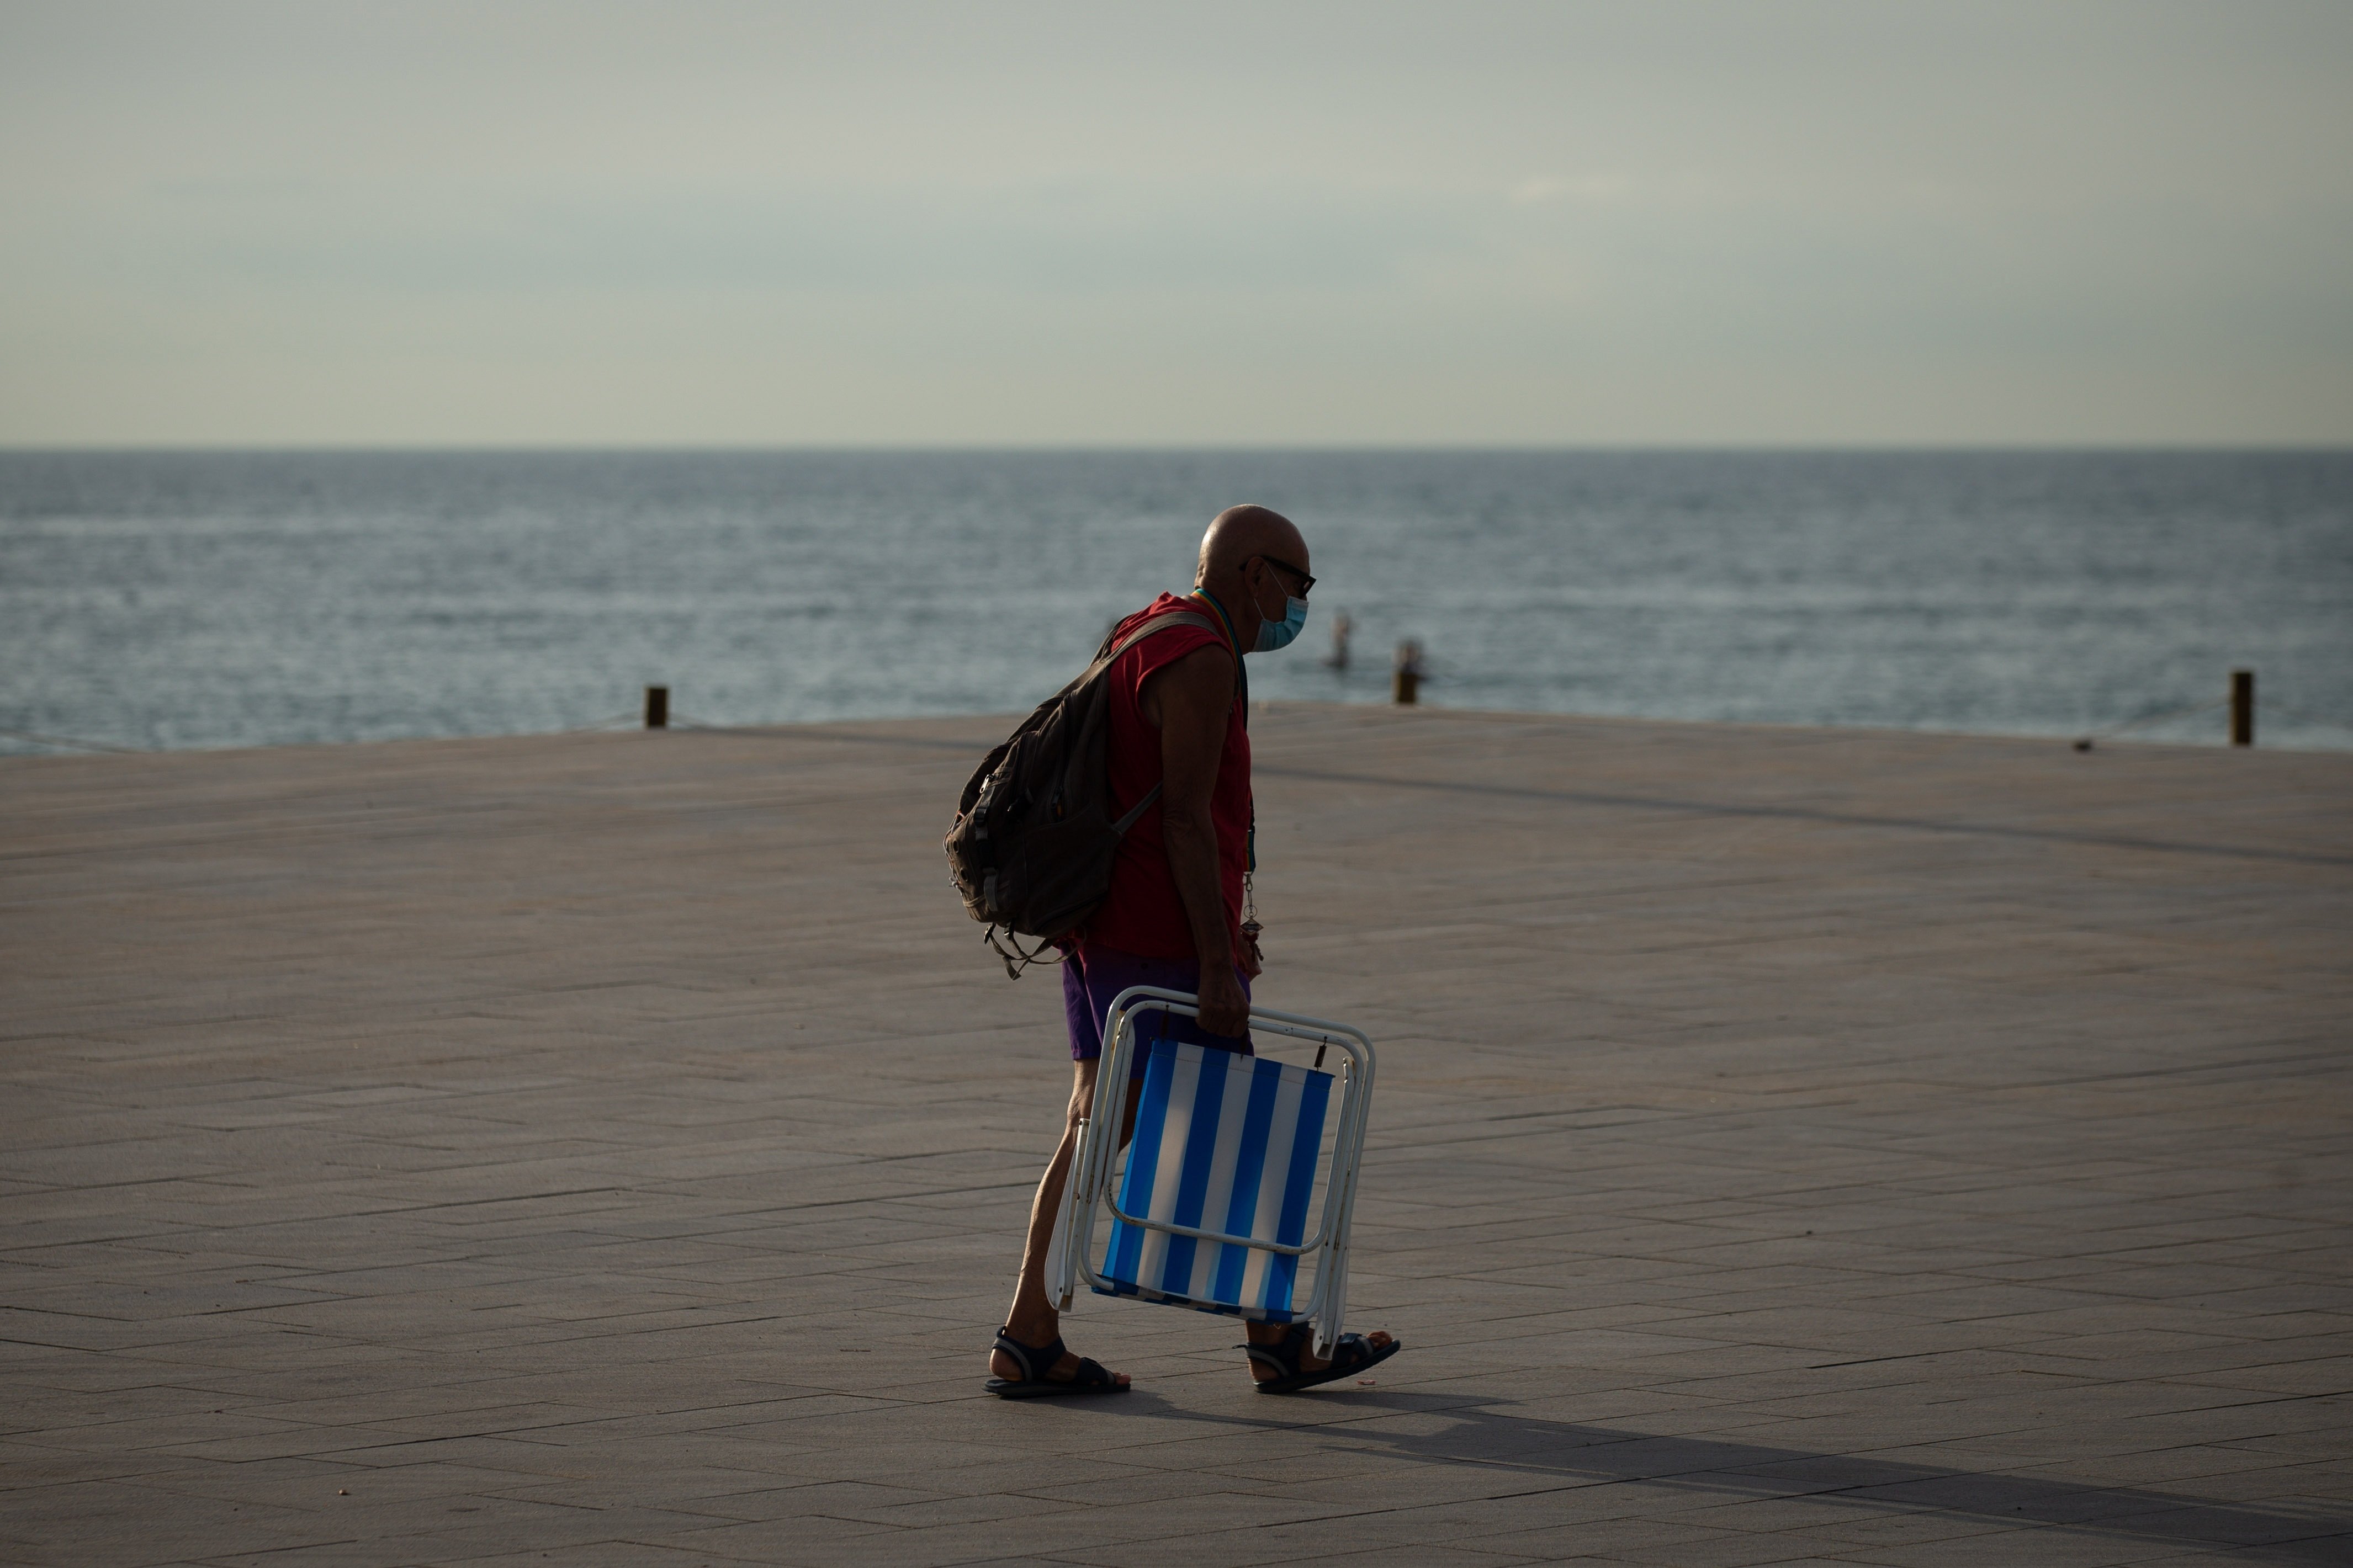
[{"x": 182, "y": 599}]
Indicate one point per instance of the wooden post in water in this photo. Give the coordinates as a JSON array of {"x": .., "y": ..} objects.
[
  {"x": 1405, "y": 682},
  {"x": 657, "y": 707},
  {"x": 2242, "y": 708}
]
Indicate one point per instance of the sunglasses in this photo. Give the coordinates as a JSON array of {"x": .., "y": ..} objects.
[{"x": 1306, "y": 583}]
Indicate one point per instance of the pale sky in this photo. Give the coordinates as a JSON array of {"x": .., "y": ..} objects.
[{"x": 529, "y": 223}]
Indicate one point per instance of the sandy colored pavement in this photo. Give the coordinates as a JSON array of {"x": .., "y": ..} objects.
[{"x": 1791, "y": 1145}]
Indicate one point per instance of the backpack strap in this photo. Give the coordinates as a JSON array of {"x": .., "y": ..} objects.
[
  {"x": 1104, "y": 661},
  {"x": 1107, "y": 653},
  {"x": 1016, "y": 961},
  {"x": 1157, "y": 624}
]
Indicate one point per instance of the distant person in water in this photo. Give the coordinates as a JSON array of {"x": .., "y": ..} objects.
[{"x": 1172, "y": 918}]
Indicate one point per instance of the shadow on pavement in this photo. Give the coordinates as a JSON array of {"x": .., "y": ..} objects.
[{"x": 1563, "y": 1454}]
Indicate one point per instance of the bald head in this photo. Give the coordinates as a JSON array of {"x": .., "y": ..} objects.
[
  {"x": 1253, "y": 560},
  {"x": 1239, "y": 532}
]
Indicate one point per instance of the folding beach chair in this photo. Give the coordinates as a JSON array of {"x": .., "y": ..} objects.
[{"x": 1211, "y": 1208}]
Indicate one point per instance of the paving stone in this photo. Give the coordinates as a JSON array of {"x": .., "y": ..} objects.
[{"x": 1791, "y": 1145}]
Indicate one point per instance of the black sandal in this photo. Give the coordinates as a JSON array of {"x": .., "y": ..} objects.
[
  {"x": 1036, "y": 1362},
  {"x": 1352, "y": 1355}
]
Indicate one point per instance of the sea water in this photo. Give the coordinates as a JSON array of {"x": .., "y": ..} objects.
[{"x": 171, "y": 599}]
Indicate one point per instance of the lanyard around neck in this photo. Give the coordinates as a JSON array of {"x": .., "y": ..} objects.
[{"x": 1224, "y": 620}]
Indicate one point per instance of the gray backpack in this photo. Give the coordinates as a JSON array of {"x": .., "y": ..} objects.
[{"x": 1033, "y": 840}]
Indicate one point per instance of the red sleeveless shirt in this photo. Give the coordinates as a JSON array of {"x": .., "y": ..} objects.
[{"x": 1143, "y": 914}]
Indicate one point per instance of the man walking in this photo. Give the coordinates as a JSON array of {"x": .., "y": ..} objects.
[{"x": 1173, "y": 917}]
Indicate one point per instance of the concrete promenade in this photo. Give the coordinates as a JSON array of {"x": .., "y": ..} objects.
[{"x": 1791, "y": 1145}]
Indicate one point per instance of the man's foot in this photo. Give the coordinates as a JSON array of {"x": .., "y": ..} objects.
[
  {"x": 1070, "y": 1367},
  {"x": 1282, "y": 1361}
]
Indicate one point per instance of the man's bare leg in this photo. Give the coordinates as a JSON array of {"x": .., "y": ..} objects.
[{"x": 1033, "y": 1320}]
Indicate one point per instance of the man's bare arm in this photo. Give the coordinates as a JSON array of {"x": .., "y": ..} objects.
[{"x": 1191, "y": 699}]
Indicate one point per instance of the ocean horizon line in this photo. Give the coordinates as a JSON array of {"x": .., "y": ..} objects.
[{"x": 1150, "y": 449}]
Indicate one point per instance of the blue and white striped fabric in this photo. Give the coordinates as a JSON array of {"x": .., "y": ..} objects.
[{"x": 1226, "y": 1143}]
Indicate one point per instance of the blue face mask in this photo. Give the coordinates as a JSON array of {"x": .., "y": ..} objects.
[{"x": 1273, "y": 634}]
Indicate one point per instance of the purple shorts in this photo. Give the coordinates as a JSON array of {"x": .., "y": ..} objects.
[{"x": 1092, "y": 977}]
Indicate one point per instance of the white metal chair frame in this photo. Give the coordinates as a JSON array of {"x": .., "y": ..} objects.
[{"x": 1089, "y": 1185}]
